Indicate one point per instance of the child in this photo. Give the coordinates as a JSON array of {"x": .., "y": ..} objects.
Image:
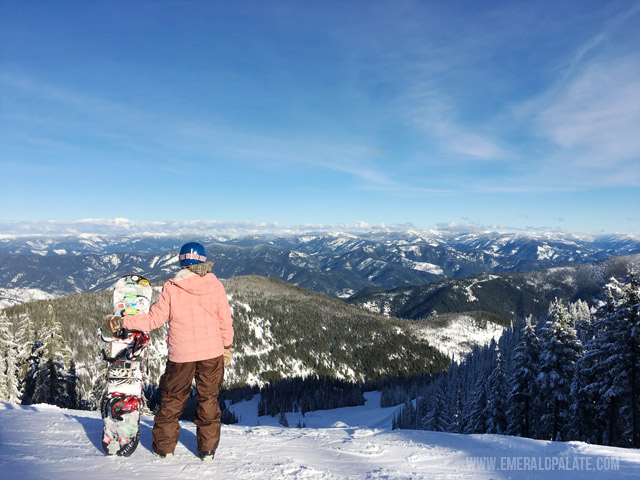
[{"x": 200, "y": 338}]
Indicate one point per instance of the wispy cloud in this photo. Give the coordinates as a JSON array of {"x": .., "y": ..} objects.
[
  {"x": 578, "y": 129},
  {"x": 64, "y": 117},
  {"x": 433, "y": 109},
  {"x": 590, "y": 114},
  {"x": 416, "y": 101},
  {"x": 593, "y": 43},
  {"x": 182, "y": 141},
  {"x": 598, "y": 112}
]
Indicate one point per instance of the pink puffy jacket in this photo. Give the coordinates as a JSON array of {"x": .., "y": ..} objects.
[{"x": 200, "y": 324}]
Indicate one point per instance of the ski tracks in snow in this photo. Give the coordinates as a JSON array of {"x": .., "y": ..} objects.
[{"x": 45, "y": 442}]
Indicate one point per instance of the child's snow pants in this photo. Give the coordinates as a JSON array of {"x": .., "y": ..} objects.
[{"x": 175, "y": 387}]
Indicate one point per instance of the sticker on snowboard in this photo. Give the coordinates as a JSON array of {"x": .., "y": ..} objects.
[{"x": 123, "y": 400}]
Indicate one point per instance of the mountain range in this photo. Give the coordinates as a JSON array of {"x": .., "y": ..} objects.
[
  {"x": 399, "y": 288},
  {"x": 339, "y": 264},
  {"x": 508, "y": 295}
]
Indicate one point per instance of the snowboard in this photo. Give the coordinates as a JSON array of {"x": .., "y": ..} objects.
[{"x": 122, "y": 400}]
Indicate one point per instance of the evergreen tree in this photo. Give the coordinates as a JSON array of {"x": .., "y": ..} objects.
[
  {"x": 477, "y": 419},
  {"x": 455, "y": 398},
  {"x": 48, "y": 389},
  {"x": 406, "y": 417},
  {"x": 30, "y": 356},
  {"x": 55, "y": 346},
  {"x": 436, "y": 417},
  {"x": 5, "y": 347},
  {"x": 559, "y": 352},
  {"x": 520, "y": 399},
  {"x": 283, "y": 419},
  {"x": 52, "y": 384},
  {"x": 483, "y": 361},
  {"x": 615, "y": 358},
  {"x": 73, "y": 401},
  {"x": 582, "y": 319},
  {"x": 457, "y": 418},
  {"x": 495, "y": 410},
  {"x": 9, "y": 388},
  {"x": 587, "y": 422}
]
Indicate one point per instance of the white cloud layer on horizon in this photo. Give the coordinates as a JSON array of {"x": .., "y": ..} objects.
[{"x": 124, "y": 226}]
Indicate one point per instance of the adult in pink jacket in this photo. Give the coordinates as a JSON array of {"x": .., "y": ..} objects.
[{"x": 200, "y": 338}]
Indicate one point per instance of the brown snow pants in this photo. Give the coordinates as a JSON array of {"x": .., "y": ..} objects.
[{"x": 175, "y": 387}]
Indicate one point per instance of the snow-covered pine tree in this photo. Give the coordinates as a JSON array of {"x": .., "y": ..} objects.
[
  {"x": 585, "y": 418},
  {"x": 476, "y": 421},
  {"x": 9, "y": 388},
  {"x": 560, "y": 349},
  {"x": 455, "y": 400},
  {"x": 520, "y": 400},
  {"x": 71, "y": 387},
  {"x": 458, "y": 414},
  {"x": 582, "y": 320},
  {"x": 6, "y": 345},
  {"x": 437, "y": 417},
  {"x": 507, "y": 344},
  {"x": 482, "y": 364},
  {"x": 587, "y": 421},
  {"x": 29, "y": 358},
  {"x": 52, "y": 385},
  {"x": 615, "y": 367},
  {"x": 392, "y": 395},
  {"x": 495, "y": 410},
  {"x": 406, "y": 416},
  {"x": 468, "y": 371}
]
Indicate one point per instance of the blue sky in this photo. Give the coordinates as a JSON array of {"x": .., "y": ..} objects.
[{"x": 516, "y": 115}]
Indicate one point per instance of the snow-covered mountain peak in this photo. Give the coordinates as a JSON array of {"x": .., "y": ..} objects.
[{"x": 333, "y": 261}]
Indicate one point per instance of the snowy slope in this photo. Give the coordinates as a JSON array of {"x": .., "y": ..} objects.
[
  {"x": 458, "y": 337},
  {"x": 13, "y": 296},
  {"x": 45, "y": 442}
]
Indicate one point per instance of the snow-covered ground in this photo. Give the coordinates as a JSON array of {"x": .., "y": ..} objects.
[
  {"x": 457, "y": 337},
  {"x": 14, "y": 296},
  {"x": 45, "y": 442}
]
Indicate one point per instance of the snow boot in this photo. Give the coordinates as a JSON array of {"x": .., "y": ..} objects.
[
  {"x": 207, "y": 456},
  {"x": 163, "y": 456}
]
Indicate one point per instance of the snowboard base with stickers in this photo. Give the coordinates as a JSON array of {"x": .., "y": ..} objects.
[{"x": 122, "y": 401}]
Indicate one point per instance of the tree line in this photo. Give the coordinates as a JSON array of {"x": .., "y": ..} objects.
[
  {"x": 37, "y": 364},
  {"x": 50, "y": 352},
  {"x": 308, "y": 394},
  {"x": 574, "y": 374}
]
